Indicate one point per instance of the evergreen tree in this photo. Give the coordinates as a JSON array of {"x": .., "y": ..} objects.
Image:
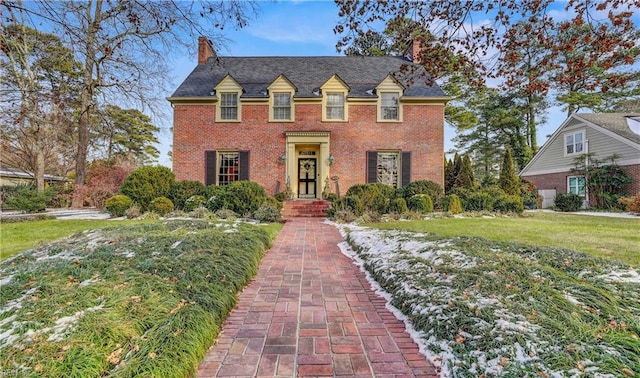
[
  {"x": 449, "y": 175},
  {"x": 509, "y": 181},
  {"x": 465, "y": 179}
]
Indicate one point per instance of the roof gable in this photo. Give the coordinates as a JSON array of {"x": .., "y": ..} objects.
[
  {"x": 360, "y": 74},
  {"x": 618, "y": 123}
]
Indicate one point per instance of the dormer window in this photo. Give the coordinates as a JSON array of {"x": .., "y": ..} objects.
[
  {"x": 390, "y": 106},
  {"x": 335, "y": 106},
  {"x": 229, "y": 106},
  {"x": 389, "y": 92},
  {"x": 282, "y": 106}
]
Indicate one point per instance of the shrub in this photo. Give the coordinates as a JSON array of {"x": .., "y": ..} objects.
[
  {"x": 161, "y": 205},
  {"x": 344, "y": 216},
  {"x": 133, "y": 212},
  {"x": 104, "y": 180},
  {"x": 181, "y": 191},
  {"x": 268, "y": 214},
  {"x": 216, "y": 197},
  {"x": 398, "y": 206},
  {"x": 433, "y": 189},
  {"x": 353, "y": 204},
  {"x": 375, "y": 197},
  {"x": 508, "y": 204},
  {"x": 568, "y": 202},
  {"x": 150, "y": 215},
  {"x": 146, "y": 183},
  {"x": 479, "y": 201},
  {"x": 28, "y": 199},
  {"x": 421, "y": 203},
  {"x": 529, "y": 193},
  {"x": 194, "y": 202},
  {"x": 452, "y": 204},
  {"x": 282, "y": 196},
  {"x": 631, "y": 204},
  {"x": 118, "y": 205},
  {"x": 243, "y": 197},
  {"x": 202, "y": 213},
  {"x": 226, "y": 214}
]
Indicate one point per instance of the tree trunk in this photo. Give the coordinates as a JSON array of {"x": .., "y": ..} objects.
[
  {"x": 531, "y": 125},
  {"x": 39, "y": 173},
  {"x": 86, "y": 100}
]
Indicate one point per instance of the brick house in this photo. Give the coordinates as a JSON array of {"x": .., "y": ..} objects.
[
  {"x": 307, "y": 122},
  {"x": 601, "y": 135}
]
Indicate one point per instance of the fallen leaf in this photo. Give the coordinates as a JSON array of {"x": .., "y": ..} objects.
[{"x": 628, "y": 372}]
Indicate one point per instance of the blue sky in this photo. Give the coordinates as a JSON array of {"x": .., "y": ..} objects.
[{"x": 296, "y": 28}]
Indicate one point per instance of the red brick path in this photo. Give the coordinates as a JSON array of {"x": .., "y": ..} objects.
[{"x": 311, "y": 312}]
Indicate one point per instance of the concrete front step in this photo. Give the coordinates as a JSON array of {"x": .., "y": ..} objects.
[{"x": 305, "y": 208}]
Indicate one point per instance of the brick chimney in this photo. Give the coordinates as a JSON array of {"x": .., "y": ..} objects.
[
  {"x": 205, "y": 50},
  {"x": 416, "y": 49}
]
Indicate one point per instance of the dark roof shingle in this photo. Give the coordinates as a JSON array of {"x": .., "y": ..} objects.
[
  {"x": 255, "y": 74},
  {"x": 615, "y": 122}
]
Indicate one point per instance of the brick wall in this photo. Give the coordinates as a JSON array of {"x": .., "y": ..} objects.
[{"x": 195, "y": 131}]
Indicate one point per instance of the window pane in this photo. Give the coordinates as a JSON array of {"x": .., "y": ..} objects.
[
  {"x": 229, "y": 106},
  {"x": 335, "y": 99},
  {"x": 389, "y": 105},
  {"x": 577, "y": 138},
  {"x": 388, "y": 166},
  {"x": 282, "y": 99},
  {"x": 228, "y": 171}
]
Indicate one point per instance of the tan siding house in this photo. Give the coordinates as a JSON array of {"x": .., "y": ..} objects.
[{"x": 600, "y": 134}]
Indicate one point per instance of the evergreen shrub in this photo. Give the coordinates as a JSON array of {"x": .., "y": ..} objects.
[
  {"x": 451, "y": 203},
  {"x": 27, "y": 198},
  {"x": 146, "y": 183},
  {"x": 568, "y": 202},
  {"x": 117, "y": 205},
  {"x": 194, "y": 202},
  {"x": 433, "y": 189},
  {"x": 268, "y": 214},
  {"x": 243, "y": 197},
  {"x": 398, "y": 206},
  {"x": 508, "y": 204},
  {"x": 181, "y": 191},
  {"x": 479, "y": 201},
  {"x": 161, "y": 205},
  {"x": 421, "y": 203},
  {"x": 375, "y": 197}
]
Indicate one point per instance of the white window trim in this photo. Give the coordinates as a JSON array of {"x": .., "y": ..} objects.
[
  {"x": 379, "y": 106},
  {"x": 577, "y": 188},
  {"x": 573, "y": 133},
  {"x": 292, "y": 114}
]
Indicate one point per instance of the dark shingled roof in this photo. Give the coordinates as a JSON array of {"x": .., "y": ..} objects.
[
  {"x": 255, "y": 74},
  {"x": 615, "y": 122}
]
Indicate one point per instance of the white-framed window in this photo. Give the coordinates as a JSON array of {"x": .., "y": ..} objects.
[
  {"x": 390, "y": 106},
  {"x": 334, "y": 106},
  {"x": 574, "y": 143},
  {"x": 282, "y": 106},
  {"x": 229, "y": 106},
  {"x": 389, "y": 168},
  {"x": 228, "y": 167},
  {"x": 576, "y": 185}
]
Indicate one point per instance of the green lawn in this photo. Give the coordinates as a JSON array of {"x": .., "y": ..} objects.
[
  {"x": 20, "y": 236},
  {"x": 612, "y": 238}
]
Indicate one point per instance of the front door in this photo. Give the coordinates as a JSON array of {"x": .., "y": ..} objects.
[{"x": 307, "y": 178}]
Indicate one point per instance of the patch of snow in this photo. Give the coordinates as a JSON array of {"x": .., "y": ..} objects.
[
  {"x": 64, "y": 324},
  {"x": 626, "y": 276},
  {"x": 88, "y": 282},
  {"x": 128, "y": 254},
  {"x": 17, "y": 303},
  {"x": 176, "y": 244},
  {"x": 230, "y": 231},
  {"x": 6, "y": 280}
]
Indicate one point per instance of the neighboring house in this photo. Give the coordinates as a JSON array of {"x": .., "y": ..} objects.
[
  {"x": 306, "y": 122},
  {"x": 14, "y": 177},
  {"x": 601, "y": 135}
]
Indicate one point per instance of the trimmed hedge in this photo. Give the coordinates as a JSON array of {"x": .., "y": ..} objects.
[
  {"x": 146, "y": 183},
  {"x": 117, "y": 205},
  {"x": 568, "y": 202}
]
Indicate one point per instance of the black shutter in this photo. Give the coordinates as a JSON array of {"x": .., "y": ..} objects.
[
  {"x": 244, "y": 165},
  {"x": 406, "y": 168},
  {"x": 210, "y": 167},
  {"x": 372, "y": 166}
]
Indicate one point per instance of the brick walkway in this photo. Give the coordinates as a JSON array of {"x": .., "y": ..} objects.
[{"x": 311, "y": 312}]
